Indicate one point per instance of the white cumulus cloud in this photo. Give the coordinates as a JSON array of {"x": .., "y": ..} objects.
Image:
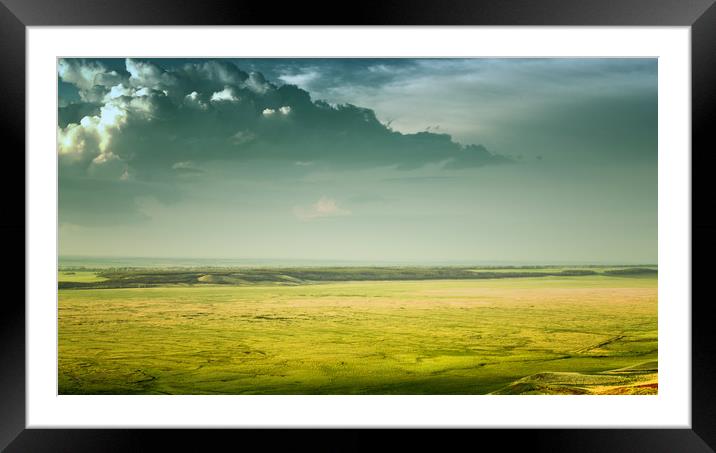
[
  {"x": 227, "y": 94},
  {"x": 143, "y": 74},
  {"x": 324, "y": 207}
]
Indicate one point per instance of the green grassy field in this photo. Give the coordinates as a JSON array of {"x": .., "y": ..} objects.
[
  {"x": 550, "y": 334},
  {"x": 79, "y": 277}
]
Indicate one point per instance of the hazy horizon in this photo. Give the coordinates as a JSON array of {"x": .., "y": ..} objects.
[
  {"x": 415, "y": 161},
  {"x": 176, "y": 261}
]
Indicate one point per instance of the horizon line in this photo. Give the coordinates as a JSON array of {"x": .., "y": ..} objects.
[{"x": 366, "y": 261}]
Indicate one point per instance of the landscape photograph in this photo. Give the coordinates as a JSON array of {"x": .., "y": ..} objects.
[{"x": 357, "y": 226}]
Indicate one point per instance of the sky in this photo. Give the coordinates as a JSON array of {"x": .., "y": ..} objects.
[{"x": 519, "y": 161}]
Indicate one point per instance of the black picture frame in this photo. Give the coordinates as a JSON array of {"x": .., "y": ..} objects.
[{"x": 700, "y": 15}]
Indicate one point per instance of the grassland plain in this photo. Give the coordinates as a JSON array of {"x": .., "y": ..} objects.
[{"x": 552, "y": 334}]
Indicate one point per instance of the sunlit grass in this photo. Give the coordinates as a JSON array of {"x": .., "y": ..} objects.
[
  {"x": 407, "y": 337},
  {"x": 79, "y": 276}
]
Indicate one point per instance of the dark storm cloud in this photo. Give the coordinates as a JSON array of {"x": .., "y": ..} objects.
[
  {"x": 319, "y": 73},
  {"x": 141, "y": 121},
  {"x": 593, "y": 108}
]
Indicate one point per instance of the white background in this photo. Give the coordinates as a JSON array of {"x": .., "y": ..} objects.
[{"x": 670, "y": 408}]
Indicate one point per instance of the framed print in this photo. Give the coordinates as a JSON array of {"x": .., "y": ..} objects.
[{"x": 473, "y": 216}]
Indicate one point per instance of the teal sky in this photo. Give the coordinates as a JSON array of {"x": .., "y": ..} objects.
[{"x": 371, "y": 160}]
